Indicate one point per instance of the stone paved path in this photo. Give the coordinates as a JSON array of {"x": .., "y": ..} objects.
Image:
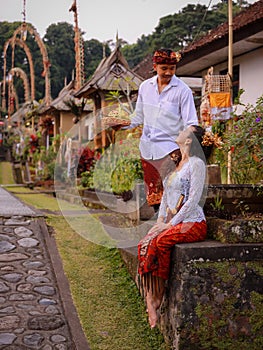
[{"x": 36, "y": 309}]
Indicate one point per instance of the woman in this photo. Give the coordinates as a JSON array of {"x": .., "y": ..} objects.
[{"x": 180, "y": 219}]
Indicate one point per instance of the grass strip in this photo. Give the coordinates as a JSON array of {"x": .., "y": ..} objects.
[{"x": 6, "y": 173}]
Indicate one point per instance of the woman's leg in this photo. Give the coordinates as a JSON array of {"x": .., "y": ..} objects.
[
  {"x": 164, "y": 242},
  {"x": 154, "y": 298},
  {"x": 154, "y": 255}
]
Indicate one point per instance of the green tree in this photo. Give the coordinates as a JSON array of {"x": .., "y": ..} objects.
[
  {"x": 135, "y": 53},
  {"x": 93, "y": 54},
  {"x": 59, "y": 40},
  {"x": 6, "y": 32}
]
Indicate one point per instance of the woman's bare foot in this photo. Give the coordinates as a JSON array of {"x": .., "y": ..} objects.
[
  {"x": 153, "y": 301},
  {"x": 152, "y": 311}
]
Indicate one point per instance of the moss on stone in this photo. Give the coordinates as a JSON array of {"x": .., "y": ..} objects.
[{"x": 227, "y": 306}]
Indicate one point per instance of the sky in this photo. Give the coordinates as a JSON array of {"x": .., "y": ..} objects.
[{"x": 99, "y": 19}]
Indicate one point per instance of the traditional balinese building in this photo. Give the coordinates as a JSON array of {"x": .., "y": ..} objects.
[
  {"x": 66, "y": 111},
  {"x": 112, "y": 75}
]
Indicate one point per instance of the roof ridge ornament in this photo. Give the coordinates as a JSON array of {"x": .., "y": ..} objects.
[
  {"x": 118, "y": 44},
  {"x": 117, "y": 70}
]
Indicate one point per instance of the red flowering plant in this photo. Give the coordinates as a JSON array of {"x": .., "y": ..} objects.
[
  {"x": 33, "y": 143},
  {"x": 30, "y": 146},
  {"x": 86, "y": 160}
]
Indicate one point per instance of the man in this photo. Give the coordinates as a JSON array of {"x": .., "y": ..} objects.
[{"x": 165, "y": 105}]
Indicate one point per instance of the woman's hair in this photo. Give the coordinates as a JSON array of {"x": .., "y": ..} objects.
[{"x": 197, "y": 148}]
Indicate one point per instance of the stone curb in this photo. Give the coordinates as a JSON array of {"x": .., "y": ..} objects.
[
  {"x": 78, "y": 336},
  {"x": 36, "y": 306}
]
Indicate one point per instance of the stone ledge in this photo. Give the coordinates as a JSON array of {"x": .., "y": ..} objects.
[
  {"x": 216, "y": 251},
  {"x": 129, "y": 256},
  {"x": 207, "y": 250},
  {"x": 241, "y": 230}
]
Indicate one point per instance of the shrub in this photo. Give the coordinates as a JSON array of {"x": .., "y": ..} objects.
[
  {"x": 243, "y": 138},
  {"x": 119, "y": 167},
  {"x": 86, "y": 179}
]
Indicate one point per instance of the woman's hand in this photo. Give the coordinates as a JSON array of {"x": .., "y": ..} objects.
[{"x": 160, "y": 226}]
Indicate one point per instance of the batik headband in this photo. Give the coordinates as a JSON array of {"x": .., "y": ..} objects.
[{"x": 163, "y": 57}]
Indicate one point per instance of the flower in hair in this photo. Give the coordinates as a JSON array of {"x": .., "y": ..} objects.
[{"x": 210, "y": 139}]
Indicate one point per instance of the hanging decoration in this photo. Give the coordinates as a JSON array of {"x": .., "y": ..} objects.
[
  {"x": 23, "y": 33},
  {"x": 216, "y": 98},
  {"x": 68, "y": 155}
]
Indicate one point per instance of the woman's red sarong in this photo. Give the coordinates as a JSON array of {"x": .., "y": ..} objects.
[{"x": 154, "y": 250}]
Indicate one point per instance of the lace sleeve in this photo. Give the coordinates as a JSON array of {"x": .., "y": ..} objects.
[
  {"x": 197, "y": 181},
  {"x": 163, "y": 205}
]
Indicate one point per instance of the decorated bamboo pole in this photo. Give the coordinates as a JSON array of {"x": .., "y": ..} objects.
[{"x": 230, "y": 72}]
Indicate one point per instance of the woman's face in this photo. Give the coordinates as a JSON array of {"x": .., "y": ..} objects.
[{"x": 184, "y": 135}]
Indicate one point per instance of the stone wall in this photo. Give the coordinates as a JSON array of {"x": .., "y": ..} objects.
[{"x": 214, "y": 296}]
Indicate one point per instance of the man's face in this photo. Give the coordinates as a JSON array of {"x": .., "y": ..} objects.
[{"x": 165, "y": 71}]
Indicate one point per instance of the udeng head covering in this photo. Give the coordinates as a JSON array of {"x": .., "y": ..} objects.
[{"x": 166, "y": 56}]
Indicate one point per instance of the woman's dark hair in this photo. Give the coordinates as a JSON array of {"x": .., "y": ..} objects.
[{"x": 196, "y": 147}]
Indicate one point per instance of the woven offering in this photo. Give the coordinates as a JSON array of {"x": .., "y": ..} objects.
[
  {"x": 114, "y": 121},
  {"x": 117, "y": 116}
]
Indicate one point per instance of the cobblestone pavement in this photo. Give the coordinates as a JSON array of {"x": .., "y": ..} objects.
[{"x": 36, "y": 309}]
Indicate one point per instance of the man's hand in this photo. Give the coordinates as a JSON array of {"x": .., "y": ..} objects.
[{"x": 116, "y": 127}]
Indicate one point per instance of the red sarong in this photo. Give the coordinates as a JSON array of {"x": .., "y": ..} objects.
[
  {"x": 154, "y": 171},
  {"x": 152, "y": 180},
  {"x": 154, "y": 250}
]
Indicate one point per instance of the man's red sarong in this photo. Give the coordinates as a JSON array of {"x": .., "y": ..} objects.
[
  {"x": 154, "y": 250},
  {"x": 152, "y": 180},
  {"x": 154, "y": 172}
]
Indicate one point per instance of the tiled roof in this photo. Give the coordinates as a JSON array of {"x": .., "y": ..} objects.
[{"x": 249, "y": 16}]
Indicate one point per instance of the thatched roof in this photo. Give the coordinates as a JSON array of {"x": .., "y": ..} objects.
[
  {"x": 112, "y": 74},
  {"x": 145, "y": 67},
  {"x": 24, "y": 111},
  {"x": 65, "y": 97}
]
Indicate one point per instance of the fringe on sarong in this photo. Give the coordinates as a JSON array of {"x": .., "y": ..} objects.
[{"x": 149, "y": 283}]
